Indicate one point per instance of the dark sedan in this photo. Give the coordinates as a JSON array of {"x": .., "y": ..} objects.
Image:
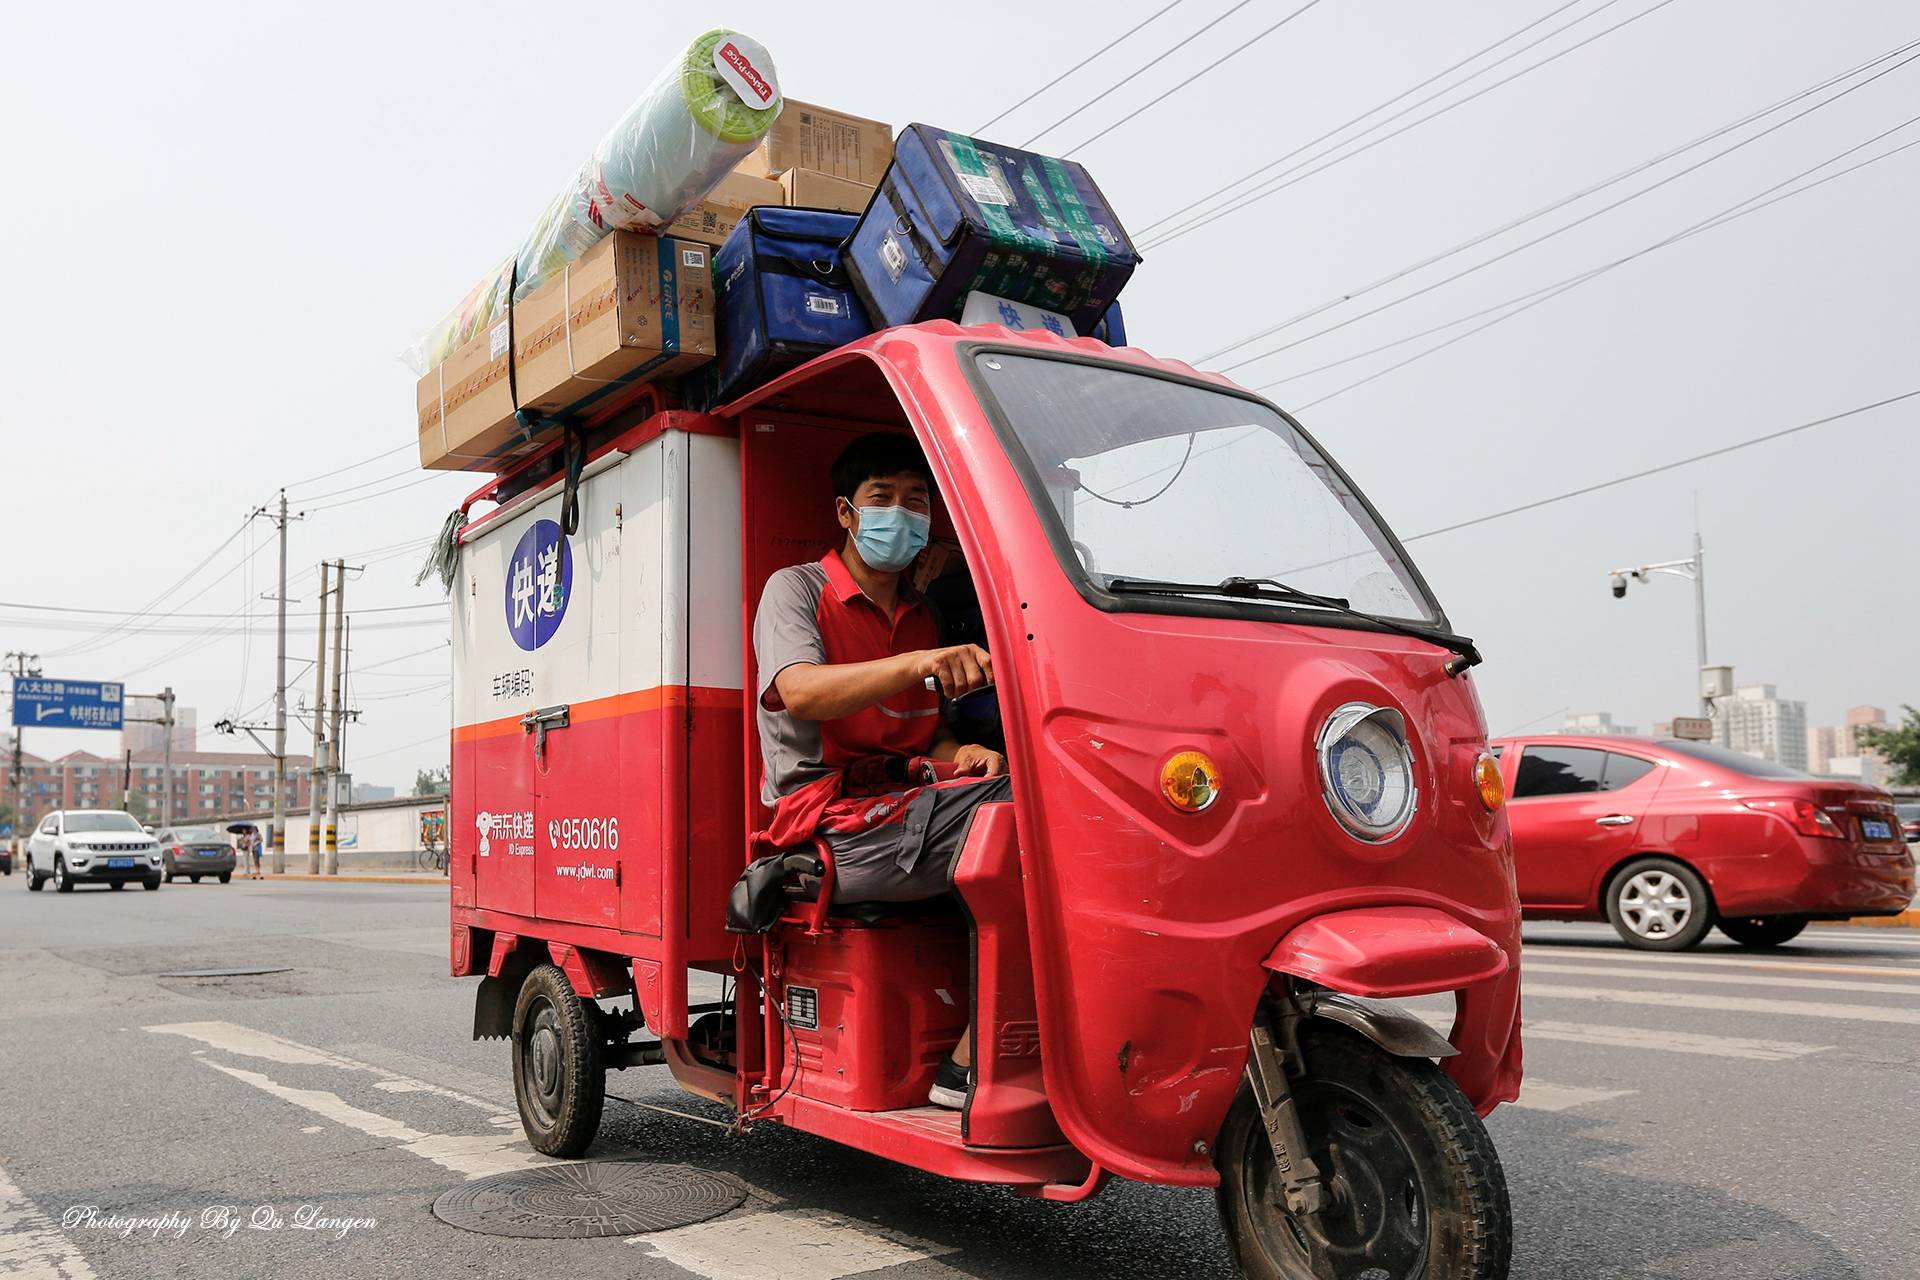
[{"x": 194, "y": 852}]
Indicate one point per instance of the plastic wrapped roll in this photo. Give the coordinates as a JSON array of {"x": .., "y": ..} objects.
[{"x": 699, "y": 118}]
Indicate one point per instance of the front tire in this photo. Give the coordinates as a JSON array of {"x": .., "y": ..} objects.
[
  {"x": 1763, "y": 931},
  {"x": 34, "y": 878},
  {"x": 1418, "y": 1191},
  {"x": 558, "y": 1079},
  {"x": 1657, "y": 904},
  {"x": 117, "y": 885},
  {"x": 153, "y": 883},
  {"x": 62, "y": 882}
]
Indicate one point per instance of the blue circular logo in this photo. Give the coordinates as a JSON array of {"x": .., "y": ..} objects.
[{"x": 539, "y": 583}]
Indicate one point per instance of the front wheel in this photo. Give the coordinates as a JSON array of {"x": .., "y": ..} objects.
[
  {"x": 62, "y": 882},
  {"x": 1763, "y": 931},
  {"x": 1657, "y": 904},
  {"x": 1417, "y": 1188},
  {"x": 558, "y": 1079}
]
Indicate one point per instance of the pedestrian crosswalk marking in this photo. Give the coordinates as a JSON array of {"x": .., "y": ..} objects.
[
  {"x": 1642, "y": 960},
  {"x": 1538, "y": 1095},
  {"x": 1688, "y": 1042},
  {"x": 794, "y": 1244},
  {"x": 32, "y": 1246},
  {"x": 1677, "y": 974},
  {"x": 1726, "y": 1004}
]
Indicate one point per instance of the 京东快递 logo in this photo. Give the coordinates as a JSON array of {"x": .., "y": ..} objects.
[{"x": 539, "y": 581}]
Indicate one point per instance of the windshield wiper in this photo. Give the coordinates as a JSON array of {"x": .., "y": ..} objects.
[{"x": 1466, "y": 655}]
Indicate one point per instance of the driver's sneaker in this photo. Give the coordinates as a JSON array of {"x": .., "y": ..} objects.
[{"x": 950, "y": 1085}]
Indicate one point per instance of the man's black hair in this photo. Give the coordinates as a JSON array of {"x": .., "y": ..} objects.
[{"x": 881, "y": 453}]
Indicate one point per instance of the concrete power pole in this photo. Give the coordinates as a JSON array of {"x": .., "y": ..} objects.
[
  {"x": 317, "y": 779},
  {"x": 278, "y": 863},
  {"x": 330, "y": 855},
  {"x": 166, "y": 757},
  {"x": 24, "y": 665}
]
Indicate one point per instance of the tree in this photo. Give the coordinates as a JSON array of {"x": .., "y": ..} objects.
[
  {"x": 432, "y": 782},
  {"x": 1900, "y": 744}
]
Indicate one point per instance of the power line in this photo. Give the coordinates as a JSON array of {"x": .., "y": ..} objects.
[
  {"x": 1677, "y": 463},
  {"x": 1438, "y": 75},
  {"x": 1565, "y": 227},
  {"x": 1149, "y": 65},
  {"x": 1076, "y": 66},
  {"x": 353, "y": 466},
  {"x": 1212, "y": 68},
  {"x": 1290, "y": 177},
  {"x": 352, "y": 488},
  {"x": 59, "y": 608},
  {"x": 144, "y": 610},
  {"x": 378, "y": 493},
  {"x": 1555, "y": 205}
]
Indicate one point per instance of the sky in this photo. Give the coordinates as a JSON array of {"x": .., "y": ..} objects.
[{"x": 223, "y": 222}]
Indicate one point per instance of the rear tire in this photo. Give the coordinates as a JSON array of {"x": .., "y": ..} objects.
[
  {"x": 194, "y": 879},
  {"x": 168, "y": 877},
  {"x": 1763, "y": 931},
  {"x": 1418, "y": 1191},
  {"x": 62, "y": 882},
  {"x": 225, "y": 876},
  {"x": 558, "y": 1079},
  {"x": 1657, "y": 904}
]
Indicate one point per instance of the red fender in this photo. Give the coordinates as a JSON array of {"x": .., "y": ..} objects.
[
  {"x": 1388, "y": 951},
  {"x": 592, "y": 973}
]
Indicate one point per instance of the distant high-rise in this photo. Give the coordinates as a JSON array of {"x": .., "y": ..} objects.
[
  {"x": 1596, "y": 722},
  {"x": 1758, "y": 722},
  {"x": 144, "y": 738},
  {"x": 1828, "y": 743}
]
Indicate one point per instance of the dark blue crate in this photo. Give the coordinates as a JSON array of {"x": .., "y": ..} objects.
[
  {"x": 782, "y": 297},
  {"x": 954, "y": 214}
]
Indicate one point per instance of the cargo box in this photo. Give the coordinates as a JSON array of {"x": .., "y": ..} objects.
[
  {"x": 809, "y": 189},
  {"x": 954, "y": 215},
  {"x": 712, "y": 220},
  {"x": 830, "y": 142}
]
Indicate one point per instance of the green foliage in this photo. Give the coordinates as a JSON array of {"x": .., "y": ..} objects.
[
  {"x": 1900, "y": 744},
  {"x": 432, "y": 782}
]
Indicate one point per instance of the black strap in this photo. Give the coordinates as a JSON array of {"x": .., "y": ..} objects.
[{"x": 575, "y": 451}]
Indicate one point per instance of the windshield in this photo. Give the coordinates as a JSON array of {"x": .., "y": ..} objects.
[
  {"x": 1155, "y": 479},
  {"x": 199, "y": 835},
  {"x": 101, "y": 822},
  {"x": 1738, "y": 761}
]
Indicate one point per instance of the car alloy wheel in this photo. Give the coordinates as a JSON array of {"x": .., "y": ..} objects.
[{"x": 1655, "y": 904}]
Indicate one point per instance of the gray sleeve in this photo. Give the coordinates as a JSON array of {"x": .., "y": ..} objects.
[{"x": 786, "y": 629}]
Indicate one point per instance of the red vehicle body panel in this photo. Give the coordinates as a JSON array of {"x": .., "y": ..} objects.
[
  {"x": 1389, "y": 951},
  {"x": 1754, "y": 861}
]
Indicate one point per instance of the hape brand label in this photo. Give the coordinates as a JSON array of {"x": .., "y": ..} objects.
[{"x": 747, "y": 69}]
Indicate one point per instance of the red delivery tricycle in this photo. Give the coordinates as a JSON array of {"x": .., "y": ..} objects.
[{"x": 1253, "y": 811}]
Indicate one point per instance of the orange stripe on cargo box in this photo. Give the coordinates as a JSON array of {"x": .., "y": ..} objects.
[{"x": 620, "y": 704}]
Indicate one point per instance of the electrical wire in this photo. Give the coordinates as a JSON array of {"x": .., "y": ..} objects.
[
  {"x": 352, "y": 466},
  {"x": 353, "y": 488},
  {"x": 1211, "y": 69},
  {"x": 1587, "y": 217},
  {"x": 1301, "y": 172},
  {"x": 1514, "y": 224},
  {"x": 1077, "y": 66},
  {"x": 1149, "y": 65},
  {"x": 144, "y": 610},
  {"x": 378, "y": 493}
]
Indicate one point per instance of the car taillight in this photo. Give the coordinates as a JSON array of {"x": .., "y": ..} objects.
[
  {"x": 1808, "y": 818},
  {"x": 177, "y": 851}
]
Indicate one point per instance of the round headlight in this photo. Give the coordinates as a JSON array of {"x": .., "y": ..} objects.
[{"x": 1366, "y": 770}]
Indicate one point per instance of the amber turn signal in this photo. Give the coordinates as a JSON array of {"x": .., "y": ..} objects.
[
  {"x": 1190, "y": 781},
  {"x": 1486, "y": 780}
]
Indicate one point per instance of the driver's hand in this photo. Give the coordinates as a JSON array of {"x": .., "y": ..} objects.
[
  {"x": 960, "y": 669},
  {"x": 976, "y": 761}
]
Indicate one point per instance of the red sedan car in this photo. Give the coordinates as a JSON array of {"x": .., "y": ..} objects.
[{"x": 1665, "y": 839}]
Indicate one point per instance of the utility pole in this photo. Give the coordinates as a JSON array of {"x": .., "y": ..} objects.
[
  {"x": 278, "y": 836},
  {"x": 330, "y": 834},
  {"x": 317, "y": 779},
  {"x": 166, "y": 757},
  {"x": 24, "y": 665}
]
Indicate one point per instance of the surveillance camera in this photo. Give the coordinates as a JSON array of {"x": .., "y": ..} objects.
[{"x": 1619, "y": 586}]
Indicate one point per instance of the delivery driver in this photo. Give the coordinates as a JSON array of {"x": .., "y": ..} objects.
[{"x": 847, "y": 725}]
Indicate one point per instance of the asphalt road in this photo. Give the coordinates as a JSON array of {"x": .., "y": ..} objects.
[{"x": 1715, "y": 1114}]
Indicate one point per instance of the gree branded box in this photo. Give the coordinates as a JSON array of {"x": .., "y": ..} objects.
[
  {"x": 831, "y": 142},
  {"x": 808, "y": 189},
  {"x": 712, "y": 220},
  {"x": 633, "y": 308}
]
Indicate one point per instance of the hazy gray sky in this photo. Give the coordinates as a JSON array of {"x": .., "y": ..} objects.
[{"x": 221, "y": 222}]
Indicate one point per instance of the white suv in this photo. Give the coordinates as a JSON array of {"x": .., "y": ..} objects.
[{"x": 103, "y": 845}]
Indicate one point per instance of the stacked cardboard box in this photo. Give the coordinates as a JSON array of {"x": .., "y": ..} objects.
[{"x": 829, "y": 142}]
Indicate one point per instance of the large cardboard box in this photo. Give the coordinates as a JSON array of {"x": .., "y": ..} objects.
[
  {"x": 808, "y": 189},
  {"x": 810, "y": 137},
  {"x": 712, "y": 220},
  {"x": 633, "y": 308}
]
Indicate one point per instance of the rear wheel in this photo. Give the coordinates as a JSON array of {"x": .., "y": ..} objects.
[
  {"x": 1658, "y": 904},
  {"x": 151, "y": 883},
  {"x": 1417, "y": 1188},
  {"x": 168, "y": 877},
  {"x": 225, "y": 876},
  {"x": 1762, "y": 931},
  {"x": 558, "y": 1079},
  {"x": 194, "y": 879},
  {"x": 62, "y": 882}
]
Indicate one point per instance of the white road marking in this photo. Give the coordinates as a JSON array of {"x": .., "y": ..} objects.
[
  {"x": 313, "y": 1128},
  {"x": 467, "y": 1155},
  {"x": 1676, "y": 974},
  {"x": 32, "y": 1246},
  {"x": 1689, "y": 1042},
  {"x": 1641, "y": 959},
  {"x": 1727, "y": 1004},
  {"x": 797, "y": 1244},
  {"x": 248, "y": 1043},
  {"x": 1538, "y": 1095}
]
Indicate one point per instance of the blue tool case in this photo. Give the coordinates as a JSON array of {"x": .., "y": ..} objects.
[
  {"x": 782, "y": 297},
  {"x": 954, "y": 214}
]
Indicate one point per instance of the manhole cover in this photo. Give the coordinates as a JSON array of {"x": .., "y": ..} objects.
[
  {"x": 245, "y": 972},
  {"x": 602, "y": 1198}
]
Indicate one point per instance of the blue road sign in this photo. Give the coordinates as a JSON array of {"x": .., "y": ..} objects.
[{"x": 67, "y": 704}]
